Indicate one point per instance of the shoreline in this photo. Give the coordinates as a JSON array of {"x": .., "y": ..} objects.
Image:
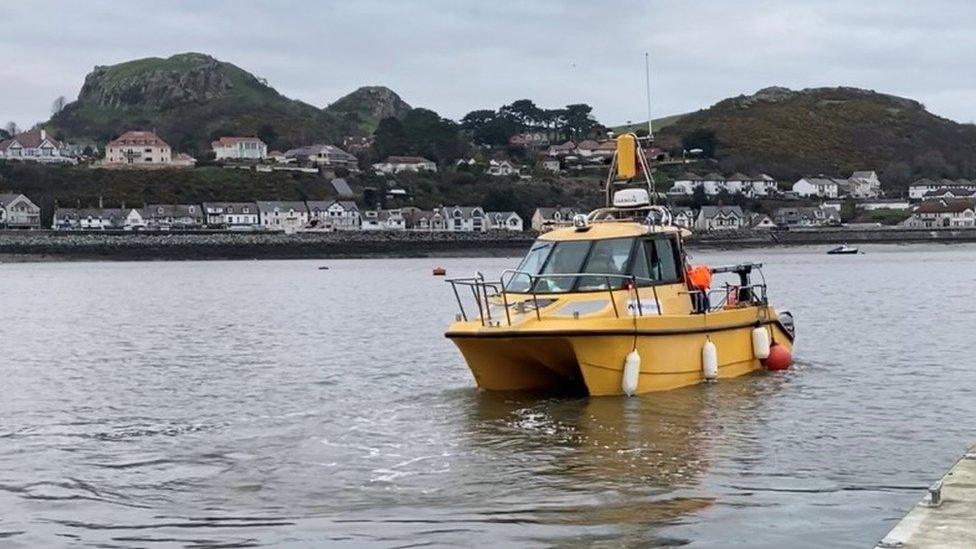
[{"x": 40, "y": 246}]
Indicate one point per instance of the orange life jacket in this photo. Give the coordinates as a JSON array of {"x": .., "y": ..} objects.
[{"x": 699, "y": 277}]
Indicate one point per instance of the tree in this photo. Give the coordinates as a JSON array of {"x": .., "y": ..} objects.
[
  {"x": 579, "y": 120},
  {"x": 58, "y": 105},
  {"x": 698, "y": 197},
  {"x": 267, "y": 134},
  {"x": 11, "y": 128},
  {"x": 524, "y": 112},
  {"x": 390, "y": 139},
  {"x": 486, "y": 127},
  {"x": 897, "y": 175},
  {"x": 431, "y": 136}
]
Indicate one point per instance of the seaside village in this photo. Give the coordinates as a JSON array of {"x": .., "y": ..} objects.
[{"x": 928, "y": 204}]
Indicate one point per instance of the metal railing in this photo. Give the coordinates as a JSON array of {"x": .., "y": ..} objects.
[{"x": 482, "y": 291}]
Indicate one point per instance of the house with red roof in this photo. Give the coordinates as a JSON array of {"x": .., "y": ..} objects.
[
  {"x": 138, "y": 149},
  {"x": 943, "y": 213},
  {"x": 239, "y": 148}
]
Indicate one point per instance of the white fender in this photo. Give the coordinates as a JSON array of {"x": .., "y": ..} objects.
[
  {"x": 709, "y": 361},
  {"x": 631, "y": 373},
  {"x": 760, "y": 342}
]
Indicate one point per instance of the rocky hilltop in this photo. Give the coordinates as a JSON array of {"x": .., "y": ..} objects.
[
  {"x": 163, "y": 84},
  {"x": 789, "y": 133},
  {"x": 365, "y": 107},
  {"x": 191, "y": 98}
]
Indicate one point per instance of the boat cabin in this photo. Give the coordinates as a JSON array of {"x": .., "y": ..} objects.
[{"x": 600, "y": 257}]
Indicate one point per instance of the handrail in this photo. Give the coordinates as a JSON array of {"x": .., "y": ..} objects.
[{"x": 479, "y": 289}]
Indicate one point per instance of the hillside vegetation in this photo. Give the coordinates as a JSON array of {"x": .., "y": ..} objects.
[{"x": 832, "y": 131}]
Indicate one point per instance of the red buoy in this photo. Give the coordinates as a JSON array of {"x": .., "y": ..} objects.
[{"x": 779, "y": 358}]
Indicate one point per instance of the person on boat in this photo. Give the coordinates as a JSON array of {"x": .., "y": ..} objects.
[{"x": 608, "y": 257}]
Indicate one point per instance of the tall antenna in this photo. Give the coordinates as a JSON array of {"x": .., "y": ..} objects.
[{"x": 647, "y": 73}]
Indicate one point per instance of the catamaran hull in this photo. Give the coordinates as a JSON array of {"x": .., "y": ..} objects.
[{"x": 592, "y": 361}]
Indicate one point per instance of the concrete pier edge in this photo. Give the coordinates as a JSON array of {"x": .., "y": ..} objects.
[{"x": 946, "y": 516}]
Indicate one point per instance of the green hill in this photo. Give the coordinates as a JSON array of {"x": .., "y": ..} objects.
[
  {"x": 190, "y": 99},
  {"x": 363, "y": 109},
  {"x": 659, "y": 124},
  {"x": 832, "y": 131}
]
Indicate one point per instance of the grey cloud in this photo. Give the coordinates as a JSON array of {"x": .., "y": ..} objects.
[{"x": 455, "y": 56}]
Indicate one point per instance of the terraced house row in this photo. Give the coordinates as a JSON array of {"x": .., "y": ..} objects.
[{"x": 285, "y": 216}]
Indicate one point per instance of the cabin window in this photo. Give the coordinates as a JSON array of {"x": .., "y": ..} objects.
[
  {"x": 566, "y": 259},
  {"x": 656, "y": 261},
  {"x": 607, "y": 257},
  {"x": 650, "y": 260},
  {"x": 532, "y": 264}
]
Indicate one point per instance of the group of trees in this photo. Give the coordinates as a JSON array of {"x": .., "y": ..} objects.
[
  {"x": 420, "y": 132},
  {"x": 495, "y": 127},
  {"x": 425, "y": 133}
]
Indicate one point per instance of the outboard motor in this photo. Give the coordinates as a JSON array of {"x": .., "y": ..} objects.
[{"x": 786, "y": 319}]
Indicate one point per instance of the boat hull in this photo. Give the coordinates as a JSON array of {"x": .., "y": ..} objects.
[{"x": 591, "y": 361}]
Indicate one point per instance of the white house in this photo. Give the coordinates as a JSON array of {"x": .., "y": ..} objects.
[
  {"x": 239, "y": 148},
  {"x": 397, "y": 164},
  {"x": 824, "y": 187},
  {"x": 944, "y": 213},
  {"x": 717, "y": 218},
  {"x": 864, "y": 184},
  {"x": 551, "y": 164},
  {"x": 383, "y": 220},
  {"x": 35, "y": 146},
  {"x": 504, "y": 221},
  {"x": 336, "y": 215},
  {"x": 760, "y": 221},
  {"x": 685, "y": 185},
  {"x": 18, "y": 212},
  {"x": 764, "y": 185},
  {"x": 683, "y": 217},
  {"x": 173, "y": 216},
  {"x": 97, "y": 219},
  {"x": 545, "y": 219},
  {"x": 328, "y": 156},
  {"x": 807, "y": 217},
  {"x": 502, "y": 168},
  {"x": 465, "y": 219},
  {"x": 288, "y": 216},
  {"x": 231, "y": 215}
]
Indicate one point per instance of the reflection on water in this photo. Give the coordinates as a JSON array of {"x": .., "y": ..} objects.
[{"x": 271, "y": 403}]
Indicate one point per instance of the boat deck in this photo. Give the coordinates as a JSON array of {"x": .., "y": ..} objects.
[{"x": 946, "y": 517}]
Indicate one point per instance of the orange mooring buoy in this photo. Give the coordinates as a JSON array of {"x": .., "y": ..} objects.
[
  {"x": 779, "y": 358},
  {"x": 440, "y": 271}
]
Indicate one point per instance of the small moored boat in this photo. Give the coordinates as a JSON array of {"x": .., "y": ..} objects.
[
  {"x": 611, "y": 306},
  {"x": 842, "y": 250}
]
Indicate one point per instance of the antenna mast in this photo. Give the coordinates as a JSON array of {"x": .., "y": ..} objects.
[{"x": 647, "y": 73}]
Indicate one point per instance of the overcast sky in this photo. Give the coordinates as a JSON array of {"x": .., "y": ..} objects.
[{"x": 454, "y": 56}]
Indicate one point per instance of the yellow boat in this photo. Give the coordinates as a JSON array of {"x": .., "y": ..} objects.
[{"x": 610, "y": 306}]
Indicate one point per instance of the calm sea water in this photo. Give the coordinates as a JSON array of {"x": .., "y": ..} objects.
[{"x": 224, "y": 404}]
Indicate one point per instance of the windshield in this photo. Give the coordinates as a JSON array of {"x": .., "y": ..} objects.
[
  {"x": 608, "y": 257},
  {"x": 532, "y": 264},
  {"x": 592, "y": 265}
]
